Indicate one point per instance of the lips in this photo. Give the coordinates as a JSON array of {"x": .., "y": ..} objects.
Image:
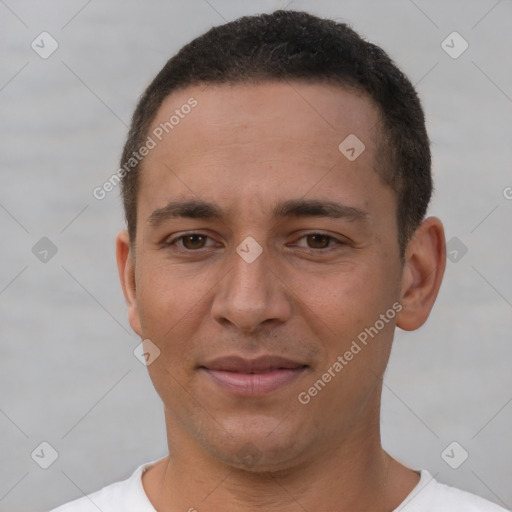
[
  {"x": 246, "y": 377},
  {"x": 260, "y": 365}
]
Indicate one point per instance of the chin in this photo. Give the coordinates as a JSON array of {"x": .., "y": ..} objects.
[{"x": 258, "y": 446}]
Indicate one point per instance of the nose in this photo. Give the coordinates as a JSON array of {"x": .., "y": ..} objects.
[{"x": 251, "y": 294}]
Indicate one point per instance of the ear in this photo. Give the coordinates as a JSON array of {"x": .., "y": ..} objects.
[
  {"x": 425, "y": 261},
  {"x": 126, "y": 268}
]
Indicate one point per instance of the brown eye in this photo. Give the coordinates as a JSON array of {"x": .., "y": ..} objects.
[
  {"x": 318, "y": 241},
  {"x": 194, "y": 241}
]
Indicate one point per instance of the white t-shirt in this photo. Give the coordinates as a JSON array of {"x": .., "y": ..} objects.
[{"x": 428, "y": 496}]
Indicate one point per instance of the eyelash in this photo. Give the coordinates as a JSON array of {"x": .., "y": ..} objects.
[{"x": 174, "y": 241}]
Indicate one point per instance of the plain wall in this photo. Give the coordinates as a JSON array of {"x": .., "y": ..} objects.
[{"x": 68, "y": 373}]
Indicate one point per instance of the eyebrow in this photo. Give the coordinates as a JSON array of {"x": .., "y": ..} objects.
[{"x": 199, "y": 209}]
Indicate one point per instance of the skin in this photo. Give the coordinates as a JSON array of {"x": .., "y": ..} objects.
[{"x": 246, "y": 148}]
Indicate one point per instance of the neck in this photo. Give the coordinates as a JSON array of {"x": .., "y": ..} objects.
[{"x": 356, "y": 474}]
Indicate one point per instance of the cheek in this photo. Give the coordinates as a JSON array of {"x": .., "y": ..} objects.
[
  {"x": 169, "y": 305},
  {"x": 348, "y": 299},
  {"x": 345, "y": 312}
]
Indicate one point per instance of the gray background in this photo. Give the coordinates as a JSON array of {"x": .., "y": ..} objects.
[{"x": 68, "y": 373}]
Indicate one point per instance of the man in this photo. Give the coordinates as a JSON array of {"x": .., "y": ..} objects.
[{"x": 276, "y": 179}]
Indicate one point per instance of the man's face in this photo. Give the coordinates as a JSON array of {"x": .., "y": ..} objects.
[{"x": 264, "y": 157}]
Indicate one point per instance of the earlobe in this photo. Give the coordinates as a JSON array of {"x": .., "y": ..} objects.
[
  {"x": 425, "y": 261},
  {"x": 126, "y": 269}
]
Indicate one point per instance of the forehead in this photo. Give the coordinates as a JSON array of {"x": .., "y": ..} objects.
[
  {"x": 256, "y": 113},
  {"x": 259, "y": 137}
]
